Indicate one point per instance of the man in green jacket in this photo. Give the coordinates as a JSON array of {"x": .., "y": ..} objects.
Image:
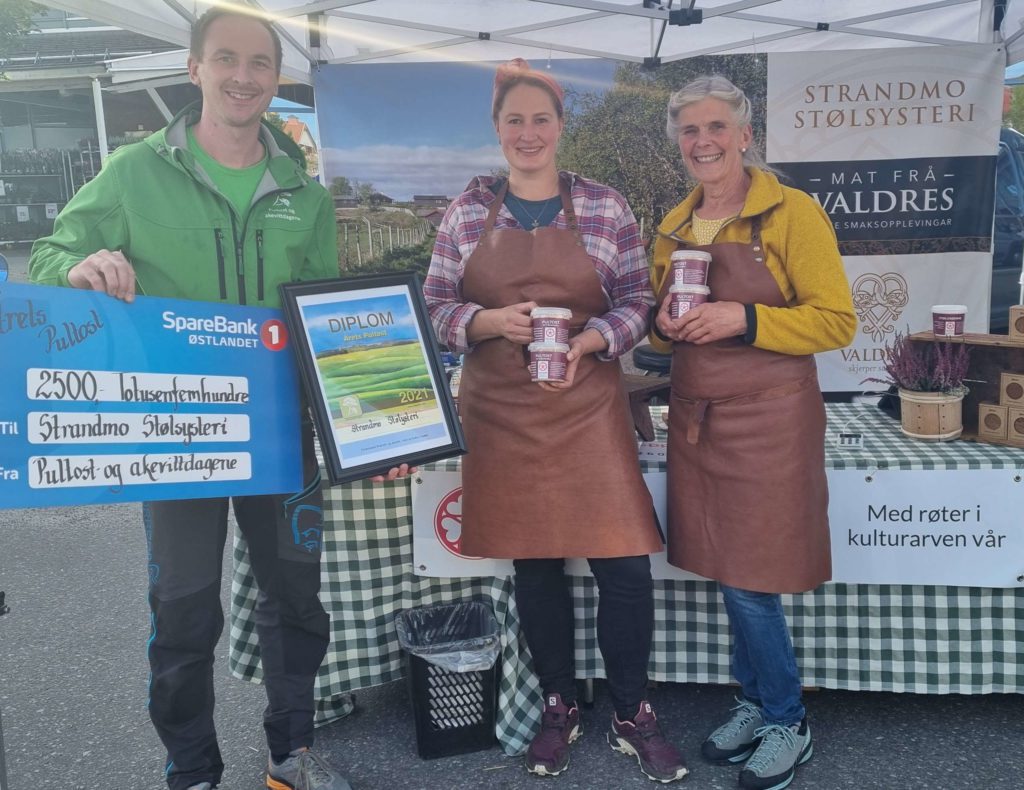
[{"x": 213, "y": 208}]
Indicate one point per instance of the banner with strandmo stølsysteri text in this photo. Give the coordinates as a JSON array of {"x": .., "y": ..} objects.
[{"x": 900, "y": 151}]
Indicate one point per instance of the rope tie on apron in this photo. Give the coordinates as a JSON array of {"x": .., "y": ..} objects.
[{"x": 701, "y": 405}]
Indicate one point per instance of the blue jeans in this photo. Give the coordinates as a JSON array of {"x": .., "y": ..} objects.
[{"x": 762, "y": 657}]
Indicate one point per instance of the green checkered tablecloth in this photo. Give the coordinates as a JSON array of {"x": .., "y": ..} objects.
[
  {"x": 922, "y": 639},
  {"x": 885, "y": 447}
]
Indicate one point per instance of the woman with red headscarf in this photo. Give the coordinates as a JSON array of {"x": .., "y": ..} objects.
[{"x": 551, "y": 470}]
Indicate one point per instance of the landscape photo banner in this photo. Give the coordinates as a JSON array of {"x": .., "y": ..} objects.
[
  {"x": 103, "y": 401},
  {"x": 900, "y": 151}
]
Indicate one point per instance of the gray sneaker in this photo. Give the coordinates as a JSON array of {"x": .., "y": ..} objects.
[
  {"x": 774, "y": 762},
  {"x": 735, "y": 740},
  {"x": 202, "y": 786},
  {"x": 304, "y": 770}
]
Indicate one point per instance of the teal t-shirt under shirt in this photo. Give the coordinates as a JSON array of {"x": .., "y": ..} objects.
[{"x": 237, "y": 184}]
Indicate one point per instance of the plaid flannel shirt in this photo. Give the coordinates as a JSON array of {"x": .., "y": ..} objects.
[{"x": 610, "y": 236}]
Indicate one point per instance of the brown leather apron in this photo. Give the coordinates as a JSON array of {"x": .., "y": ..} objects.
[
  {"x": 548, "y": 474},
  {"x": 748, "y": 498}
]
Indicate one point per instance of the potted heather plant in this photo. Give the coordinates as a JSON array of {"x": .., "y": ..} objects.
[{"x": 929, "y": 377}]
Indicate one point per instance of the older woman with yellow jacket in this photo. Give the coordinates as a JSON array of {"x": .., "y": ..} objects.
[{"x": 748, "y": 497}]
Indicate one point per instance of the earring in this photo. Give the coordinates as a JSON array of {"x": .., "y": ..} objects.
[{"x": 743, "y": 150}]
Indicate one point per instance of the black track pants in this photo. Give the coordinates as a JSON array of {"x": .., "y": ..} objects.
[{"x": 186, "y": 544}]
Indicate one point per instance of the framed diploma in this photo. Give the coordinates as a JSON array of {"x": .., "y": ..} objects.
[{"x": 373, "y": 373}]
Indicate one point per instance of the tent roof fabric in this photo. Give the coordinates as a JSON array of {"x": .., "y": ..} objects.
[{"x": 376, "y": 31}]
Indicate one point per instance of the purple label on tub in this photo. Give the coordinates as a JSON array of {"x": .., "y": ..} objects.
[
  {"x": 947, "y": 324},
  {"x": 547, "y": 365},
  {"x": 550, "y": 330},
  {"x": 682, "y": 301},
  {"x": 689, "y": 271}
]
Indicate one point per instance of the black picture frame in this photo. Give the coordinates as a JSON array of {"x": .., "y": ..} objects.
[{"x": 372, "y": 371}]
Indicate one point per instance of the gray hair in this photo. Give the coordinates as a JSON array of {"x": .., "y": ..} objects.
[{"x": 714, "y": 86}]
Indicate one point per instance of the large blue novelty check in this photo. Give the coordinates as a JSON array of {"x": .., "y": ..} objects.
[{"x": 103, "y": 401}]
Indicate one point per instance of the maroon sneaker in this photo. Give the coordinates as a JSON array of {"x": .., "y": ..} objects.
[
  {"x": 659, "y": 760},
  {"x": 548, "y": 754}
]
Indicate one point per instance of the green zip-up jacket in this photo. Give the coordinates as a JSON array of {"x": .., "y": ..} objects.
[{"x": 155, "y": 204}]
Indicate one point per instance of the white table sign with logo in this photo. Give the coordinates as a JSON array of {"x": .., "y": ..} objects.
[{"x": 437, "y": 531}]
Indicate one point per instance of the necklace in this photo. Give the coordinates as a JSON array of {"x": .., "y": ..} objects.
[{"x": 534, "y": 219}]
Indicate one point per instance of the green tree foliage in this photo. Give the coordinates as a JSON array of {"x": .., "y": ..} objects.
[
  {"x": 15, "y": 22},
  {"x": 748, "y": 72},
  {"x": 365, "y": 190},
  {"x": 1015, "y": 115},
  {"x": 273, "y": 118},
  {"x": 618, "y": 138}
]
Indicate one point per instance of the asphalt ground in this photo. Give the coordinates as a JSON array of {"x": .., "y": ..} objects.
[{"x": 73, "y": 679}]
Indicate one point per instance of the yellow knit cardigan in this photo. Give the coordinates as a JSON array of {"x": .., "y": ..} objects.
[{"x": 800, "y": 253}]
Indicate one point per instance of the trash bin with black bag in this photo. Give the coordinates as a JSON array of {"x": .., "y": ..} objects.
[{"x": 452, "y": 670}]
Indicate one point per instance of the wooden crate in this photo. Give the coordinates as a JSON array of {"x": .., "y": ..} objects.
[
  {"x": 1017, "y": 322},
  {"x": 1015, "y": 426},
  {"x": 991, "y": 422},
  {"x": 1011, "y": 389}
]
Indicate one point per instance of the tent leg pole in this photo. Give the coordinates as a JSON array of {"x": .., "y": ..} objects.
[
  {"x": 3, "y": 760},
  {"x": 101, "y": 119}
]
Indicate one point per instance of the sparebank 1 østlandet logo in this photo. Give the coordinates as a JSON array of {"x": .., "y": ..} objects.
[
  {"x": 448, "y": 523},
  {"x": 879, "y": 299},
  {"x": 281, "y": 208},
  {"x": 223, "y": 332}
]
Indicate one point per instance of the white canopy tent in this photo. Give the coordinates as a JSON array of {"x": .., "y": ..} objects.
[
  {"x": 348, "y": 31},
  {"x": 316, "y": 32}
]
